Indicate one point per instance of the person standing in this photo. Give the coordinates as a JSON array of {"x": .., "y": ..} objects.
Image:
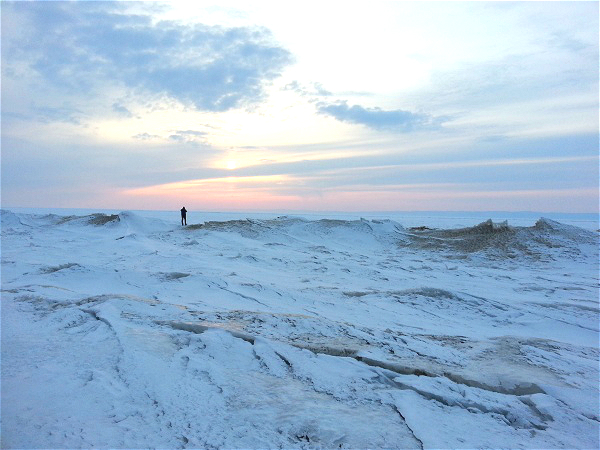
[{"x": 183, "y": 216}]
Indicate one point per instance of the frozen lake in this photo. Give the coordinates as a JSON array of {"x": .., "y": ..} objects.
[{"x": 404, "y": 330}]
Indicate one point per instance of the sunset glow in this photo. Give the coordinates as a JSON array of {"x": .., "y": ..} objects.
[{"x": 118, "y": 104}]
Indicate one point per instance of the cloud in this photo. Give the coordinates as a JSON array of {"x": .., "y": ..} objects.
[
  {"x": 376, "y": 118},
  {"x": 180, "y": 136},
  {"x": 84, "y": 46},
  {"x": 188, "y": 136},
  {"x": 307, "y": 90},
  {"x": 63, "y": 113},
  {"x": 557, "y": 73},
  {"x": 145, "y": 136},
  {"x": 121, "y": 110},
  {"x": 66, "y": 166}
]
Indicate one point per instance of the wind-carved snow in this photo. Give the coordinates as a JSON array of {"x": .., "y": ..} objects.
[{"x": 120, "y": 331}]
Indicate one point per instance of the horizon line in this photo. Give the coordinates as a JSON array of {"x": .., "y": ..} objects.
[{"x": 298, "y": 211}]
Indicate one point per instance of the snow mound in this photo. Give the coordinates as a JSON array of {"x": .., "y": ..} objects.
[
  {"x": 501, "y": 240},
  {"x": 126, "y": 222},
  {"x": 550, "y": 229},
  {"x": 135, "y": 223},
  {"x": 96, "y": 219},
  {"x": 286, "y": 229},
  {"x": 9, "y": 220}
]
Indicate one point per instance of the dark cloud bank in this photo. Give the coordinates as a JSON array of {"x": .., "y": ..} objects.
[{"x": 78, "y": 46}]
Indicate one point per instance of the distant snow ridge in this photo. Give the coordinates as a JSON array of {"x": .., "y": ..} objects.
[
  {"x": 500, "y": 240},
  {"x": 497, "y": 239}
]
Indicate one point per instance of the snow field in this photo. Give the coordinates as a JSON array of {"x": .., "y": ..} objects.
[{"x": 124, "y": 331}]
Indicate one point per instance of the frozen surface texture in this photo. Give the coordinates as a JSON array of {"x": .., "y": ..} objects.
[{"x": 125, "y": 331}]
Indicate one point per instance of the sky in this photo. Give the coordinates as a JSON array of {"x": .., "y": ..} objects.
[{"x": 301, "y": 106}]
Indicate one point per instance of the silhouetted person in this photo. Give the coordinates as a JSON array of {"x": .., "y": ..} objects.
[{"x": 183, "y": 216}]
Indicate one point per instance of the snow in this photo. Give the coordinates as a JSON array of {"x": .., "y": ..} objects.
[{"x": 126, "y": 330}]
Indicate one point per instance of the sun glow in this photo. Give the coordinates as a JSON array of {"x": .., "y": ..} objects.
[
  {"x": 227, "y": 193},
  {"x": 231, "y": 165}
]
